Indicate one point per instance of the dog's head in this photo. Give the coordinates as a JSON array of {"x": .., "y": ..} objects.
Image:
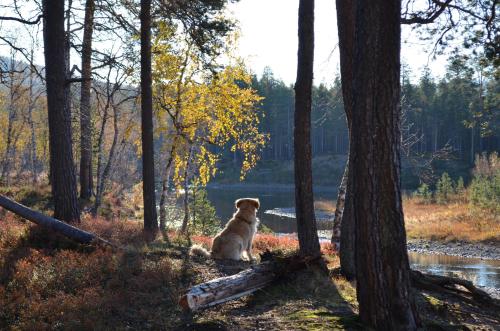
[{"x": 247, "y": 203}]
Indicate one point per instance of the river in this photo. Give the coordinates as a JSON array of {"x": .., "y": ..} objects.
[{"x": 481, "y": 272}]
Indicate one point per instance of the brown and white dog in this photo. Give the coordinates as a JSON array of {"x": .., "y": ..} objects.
[{"x": 237, "y": 237}]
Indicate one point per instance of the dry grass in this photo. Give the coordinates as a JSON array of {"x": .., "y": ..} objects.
[
  {"x": 325, "y": 205},
  {"x": 450, "y": 222}
]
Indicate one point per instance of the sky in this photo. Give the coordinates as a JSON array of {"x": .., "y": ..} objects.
[
  {"x": 268, "y": 31},
  {"x": 268, "y": 38}
]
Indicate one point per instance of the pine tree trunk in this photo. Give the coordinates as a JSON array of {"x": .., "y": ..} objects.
[
  {"x": 346, "y": 23},
  {"x": 304, "y": 199},
  {"x": 148, "y": 169},
  {"x": 31, "y": 123},
  {"x": 7, "y": 159},
  {"x": 382, "y": 267},
  {"x": 86, "y": 180},
  {"x": 62, "y": 172}
]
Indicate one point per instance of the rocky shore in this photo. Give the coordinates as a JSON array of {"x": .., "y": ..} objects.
[{"x": 463, "y": 249}]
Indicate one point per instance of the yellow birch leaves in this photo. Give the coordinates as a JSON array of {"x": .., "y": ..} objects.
[{"x": 201, "y": 111}]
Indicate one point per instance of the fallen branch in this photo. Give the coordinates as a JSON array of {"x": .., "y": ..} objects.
[
  {"x": 449, "y": 285},
  {"x": 65, "y": 229},
  {"x": 228, "y": 288}
]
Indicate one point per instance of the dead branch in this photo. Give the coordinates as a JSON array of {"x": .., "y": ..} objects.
[{"x": 65, "y": 229}]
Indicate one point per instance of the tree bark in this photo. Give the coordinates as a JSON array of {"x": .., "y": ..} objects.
[
  {"x": 62, "y": 172},
  {"x": 223, "y": 289},
  {"x": 346, "y": 23},
  {"x": 49, "y": 222},
  {"x": 228, "y": 288},
  {"x": 339, "y": 208},
  {"x": 382, "y": 267},
  {"x": 100, "y": 152},
  {"x": 185, "y": 221},
  {"x": 31, "y": 123},
  {"x": 7, "y": 159},
  {"x": 148, "y": 169},
  {"x": 103, "y": 177},
  {"x": 165, "y": 186},
  {"x": 86, "y": 179},
  {"x": 304, "y": 199}
]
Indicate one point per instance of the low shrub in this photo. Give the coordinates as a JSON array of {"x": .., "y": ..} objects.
[
  {"x": 444, "y": 189},
  {"x": 484, "y": 191}
]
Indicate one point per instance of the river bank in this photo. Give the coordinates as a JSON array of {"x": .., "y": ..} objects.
[{"x": 457, "y": 248}]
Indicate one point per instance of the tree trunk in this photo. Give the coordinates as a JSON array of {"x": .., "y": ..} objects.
[
  {"x": 49, "y": 222},
  {"x": 304, "y": 199},
  {"x": 346, "y": 23},
  {"x": 148, "y": 167},
  {"x": 227, "y": 288},
  {"x": 31, "y": 123},
  {"x": 62, "y": 172},
  {"x": 382, "y": 267},
  {"x": 103, "y": 177},
  {"x": 222, "y": 289},
  {"x": 472, "y": 156},
  {"x": 86, "y": 180},
  {"x": 7, "y": 159},
  {"x": 339, "y": 208},
  {"x": 100, "y": 147},
  {"x": 185, "y": 221},
  {"x": 165, "y": 186},
  {"x": 347, "y": 252}
]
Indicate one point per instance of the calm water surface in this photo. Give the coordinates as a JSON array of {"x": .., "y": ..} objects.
[
  {"x": 480, "y": 272},
  {"x": 270, "y": 197}
]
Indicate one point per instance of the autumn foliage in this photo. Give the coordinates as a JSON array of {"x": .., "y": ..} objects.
[{"x": 49, "y": 282}]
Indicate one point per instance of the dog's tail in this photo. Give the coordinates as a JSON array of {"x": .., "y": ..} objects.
[{"x": 200, "y": 251}]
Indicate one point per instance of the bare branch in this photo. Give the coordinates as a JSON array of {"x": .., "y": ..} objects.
[
  {"x": 415, "y": 19},
  {"x": 20, "y": 20}
]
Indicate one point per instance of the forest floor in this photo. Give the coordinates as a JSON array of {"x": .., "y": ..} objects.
[{"x": 48, "y": 282}]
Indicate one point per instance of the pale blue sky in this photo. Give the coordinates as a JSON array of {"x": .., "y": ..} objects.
[
  {"x": 269, "y": 38},
  {"x": 268, "y": 30}
]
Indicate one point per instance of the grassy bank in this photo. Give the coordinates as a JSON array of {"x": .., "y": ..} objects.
[
  {"x": 454, "y": 221},
  {"x": 450, "y": 222}
]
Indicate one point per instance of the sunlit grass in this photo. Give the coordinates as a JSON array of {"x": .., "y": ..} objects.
[
  {"x": 454, "y": 221},
  {"x": 448, "y": 222}
]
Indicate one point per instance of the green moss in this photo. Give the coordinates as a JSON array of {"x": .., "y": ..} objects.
[
  {"x": 322, "y": 319},
  {"x": 435, "y": 304}
]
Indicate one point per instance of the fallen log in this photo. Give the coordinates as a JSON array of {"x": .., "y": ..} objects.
[
  {"x": 228, "y": 288},
  {"x": 65, "y": 229},
  {"x": 450, "y": 285}
]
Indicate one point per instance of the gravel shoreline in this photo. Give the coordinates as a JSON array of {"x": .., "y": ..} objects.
[{"x": 462, "y": 249}]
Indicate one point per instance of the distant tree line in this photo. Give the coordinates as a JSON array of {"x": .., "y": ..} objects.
[{"x": 459, "y": 111}]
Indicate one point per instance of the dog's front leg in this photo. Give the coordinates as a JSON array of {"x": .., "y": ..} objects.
[{"x": 249, "y": 250}]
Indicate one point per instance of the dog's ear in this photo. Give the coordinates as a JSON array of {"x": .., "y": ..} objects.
[
  {"x": 255, "y": 202},
  {"x": 238, "y": 202}
]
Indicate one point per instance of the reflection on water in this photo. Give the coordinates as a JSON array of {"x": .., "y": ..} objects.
[
  {"x": 480, "y": 272},
  {"x": 223, "y": 200}
]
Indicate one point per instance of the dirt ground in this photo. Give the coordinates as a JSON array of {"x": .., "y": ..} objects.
[{"x": 310, "y": 300}]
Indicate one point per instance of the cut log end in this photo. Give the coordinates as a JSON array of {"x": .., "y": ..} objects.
[
  {"x": 223, "y": 289},
  {"x": 183, "y": 302}
]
